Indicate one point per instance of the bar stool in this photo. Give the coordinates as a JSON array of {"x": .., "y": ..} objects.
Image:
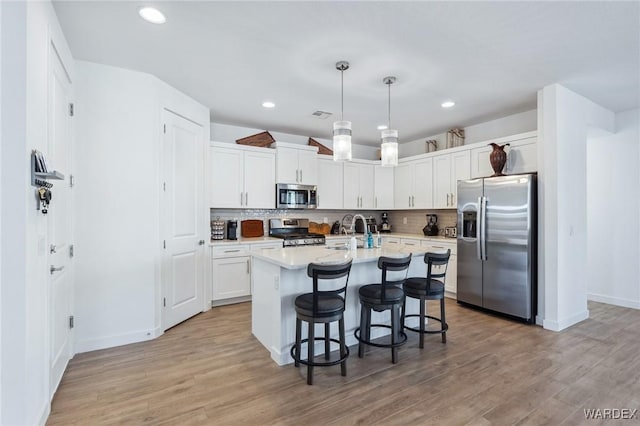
[
  {"x": 387, "y": 295},
  {"x": 322, "y": 306},
  {"x": 429, "y": 288}
]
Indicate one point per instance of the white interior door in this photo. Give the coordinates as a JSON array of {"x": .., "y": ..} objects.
[
  {"x": 60, "y": 221},
  {"x": 182, "y": 272}
]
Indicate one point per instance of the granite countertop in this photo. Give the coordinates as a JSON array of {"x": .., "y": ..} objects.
[{"x": 300, "y": 257}]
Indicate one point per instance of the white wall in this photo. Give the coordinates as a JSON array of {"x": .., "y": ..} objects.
[
  {"x": 613, "y": 212},
  {"x": 564, "y": 122},
  {"x": 505, "y": 126},
  {"x": 118, "y": 245},
  {"x": 229, "y": 133},
  {"x": 117, "y": 152}
]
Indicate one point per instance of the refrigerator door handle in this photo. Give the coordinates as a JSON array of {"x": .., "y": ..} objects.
[
  {"x": 479, "y": 229},
  {"x": 483, "y": 228}
]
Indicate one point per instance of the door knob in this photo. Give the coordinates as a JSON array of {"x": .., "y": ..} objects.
[{"x": 53, "y": 269}]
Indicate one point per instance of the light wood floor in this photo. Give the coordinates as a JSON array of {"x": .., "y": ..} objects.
[{"x": 211, "y": 370}]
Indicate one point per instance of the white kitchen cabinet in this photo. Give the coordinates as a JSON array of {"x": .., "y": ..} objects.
[
  {"x": 383, "y": 187},
  {"x": 413, "y": 184},
  {"x": 242, "y": 177},
  {"x": 448, "y": 169},
  {"x": 522, "y": 156},
  {"x": 230, "y": 274},
  {"x": 330, "y": 184},
  {"x": 297, "y": 164},
  {"x": 358, "y": 185}
]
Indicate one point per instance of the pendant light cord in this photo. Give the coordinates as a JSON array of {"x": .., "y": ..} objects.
[
  {"x": 342, "y": 95},
  {"x": 389, "y": 84}
]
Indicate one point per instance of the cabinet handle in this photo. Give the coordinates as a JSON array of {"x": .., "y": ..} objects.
[
  {"x": 248, "y": 266},
  {"x": 413, "y": 201},
  {"x": 246, "y": 198},
  {"x": 232, "y": 251},
  {"x": 201, "y": 242},
  {"x": 453, "y": 200},
  {"x": 440, "y": 247},
  {"x": 300, "y": 175},
  {"x": 447, "y": 200},
  {"x": 241, "y": 194},
  {"x": 375, "y": 202},
  {"x": 409, "y": 200}
]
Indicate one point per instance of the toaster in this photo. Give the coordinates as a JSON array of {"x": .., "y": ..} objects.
[{"x": 450, "y": 231}]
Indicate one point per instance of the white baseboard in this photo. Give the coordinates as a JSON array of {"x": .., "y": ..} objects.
[
  {"x": 618, "y": 301},
  {"x": 565, "y": 322},
  {"x": 116, "y": 340}
]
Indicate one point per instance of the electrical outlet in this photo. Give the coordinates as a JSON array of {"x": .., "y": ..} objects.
[
  {"x": 325, "y": 220},
  {"x": 404, "y": 220}
]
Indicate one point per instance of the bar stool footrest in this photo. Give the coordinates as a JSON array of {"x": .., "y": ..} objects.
[
  {"x": 444, "y": 329},
  {"x": 294, "y": 355},
  {"x": 402, "y": 341}
]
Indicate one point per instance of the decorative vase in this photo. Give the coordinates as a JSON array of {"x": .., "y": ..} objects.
[{"x": 498, "y": 158}]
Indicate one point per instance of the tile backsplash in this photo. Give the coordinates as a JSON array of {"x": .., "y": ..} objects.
[
  {"x": 318, "y": 216},
  {"x": 416, "y": 219}
]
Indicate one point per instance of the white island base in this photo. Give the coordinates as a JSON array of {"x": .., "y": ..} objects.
[{"x": 278, "y": 276}]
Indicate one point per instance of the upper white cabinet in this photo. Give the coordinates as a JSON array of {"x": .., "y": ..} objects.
[
  {"x": 413, "y": 186},
  {"x": 522, "y": 156},
  {"x": 358, "y": 185},
  {"x": 383, "y": 187},
  {"x": 330, "y": 184},
  {"x": 448, "y": 169},
  {"x": 242, "y": 177},
  {"x": 296, "y": 163}
]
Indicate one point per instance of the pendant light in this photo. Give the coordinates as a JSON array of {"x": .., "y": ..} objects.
[
  {"x": 342, "y": 129},
  {"x": 389, "y": 146}
]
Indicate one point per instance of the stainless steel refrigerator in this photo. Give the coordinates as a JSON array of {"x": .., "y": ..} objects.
[{"x": 497, "y": 236}]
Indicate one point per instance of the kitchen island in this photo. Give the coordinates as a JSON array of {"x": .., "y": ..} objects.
[{"x": 278, "y": 276}]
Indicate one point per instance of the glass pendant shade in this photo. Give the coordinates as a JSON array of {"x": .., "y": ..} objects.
[
  {"x": 389, "y": 148},
  {"x": 342, "y": 141}
]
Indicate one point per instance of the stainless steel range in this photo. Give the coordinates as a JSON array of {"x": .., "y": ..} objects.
[{"x": 294, "y": 232}]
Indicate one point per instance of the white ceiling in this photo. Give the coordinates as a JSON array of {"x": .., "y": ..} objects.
[{"x": 489, "y": 57}]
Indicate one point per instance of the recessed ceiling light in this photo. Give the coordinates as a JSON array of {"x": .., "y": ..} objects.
[
  {"x": 268, "y": 104},
  {"x": 152, "y": 15},
  {"x": 447, "y": 104},
  {"x": 382, "y": 127}
]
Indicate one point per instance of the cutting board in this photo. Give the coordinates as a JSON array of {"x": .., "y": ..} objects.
[
  {"x": 251, "y": 228},
  {"x": 319, "y": 228}
]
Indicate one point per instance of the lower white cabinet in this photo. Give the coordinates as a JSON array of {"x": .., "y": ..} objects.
[
  {"x": 231, "y": 271},
  {"x": 451, "y": 279}
]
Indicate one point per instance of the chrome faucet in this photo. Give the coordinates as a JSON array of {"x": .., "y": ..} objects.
[{"x": 353, "y": 223}]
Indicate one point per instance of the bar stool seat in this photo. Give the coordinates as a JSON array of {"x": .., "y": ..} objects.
[
  {"x": 426, "y": 288},
  {"x": 387, "y": 295},
  {"x": 323, "y": 306}
]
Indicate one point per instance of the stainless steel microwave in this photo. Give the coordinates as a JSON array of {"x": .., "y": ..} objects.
[{"x": 290, "y": 196}]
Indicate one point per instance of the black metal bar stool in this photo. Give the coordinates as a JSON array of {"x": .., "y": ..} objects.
[
  {"x": 429, "y": 288},
  {"x": 387, "y": 295},
  {"x": 322, "y": 306}
]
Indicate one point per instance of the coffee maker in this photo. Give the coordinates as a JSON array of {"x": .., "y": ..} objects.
[
  {"x": 384, "y": 224},
  {"x": 431, "y": 229},
  {"x": 232, "y": 230}
]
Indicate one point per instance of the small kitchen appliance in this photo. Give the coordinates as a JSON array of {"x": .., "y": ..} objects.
[
  {"x": 384, "y": 224},
  {"x": 232, "y": 230},
  {"x": 371, "y": 225},
  {"x": 431, "y": 228},
  {"x": 294, "y": 232},
  {"x": 335, "y": 229},
  {"x": 290, "y": 196},
  {"x": 450, "y": 231}
]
